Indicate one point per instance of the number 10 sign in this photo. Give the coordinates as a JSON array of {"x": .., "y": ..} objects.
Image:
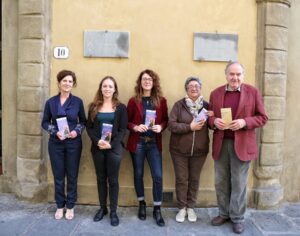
[{"x": 61, "y": 52}]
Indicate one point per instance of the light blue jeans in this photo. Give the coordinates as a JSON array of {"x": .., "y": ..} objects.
[{"x": 231, "y": 179}]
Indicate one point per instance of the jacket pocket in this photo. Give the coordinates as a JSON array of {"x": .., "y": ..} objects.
[{"x": 251, "y": 142}]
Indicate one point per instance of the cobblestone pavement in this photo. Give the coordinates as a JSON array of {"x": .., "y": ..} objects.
[{"x": 23, "y": 218}]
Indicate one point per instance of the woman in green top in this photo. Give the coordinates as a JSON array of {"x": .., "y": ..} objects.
[{"x": 107, "y": 117}]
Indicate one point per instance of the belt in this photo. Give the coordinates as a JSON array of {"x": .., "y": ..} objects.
[{"x": 146, "y": 139}]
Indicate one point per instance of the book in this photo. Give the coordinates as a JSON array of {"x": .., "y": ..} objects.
[
  {"x": 226, "y": 116},
  {"x": 63, "y": 127},
  {"x": 150, "y": 118},
  {"x": 106, "y": 132},
  {"x": 202, "y": 115}
]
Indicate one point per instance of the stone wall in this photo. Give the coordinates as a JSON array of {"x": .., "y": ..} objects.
[
  {"x": 291, "y": 174},
  {"x": 272, "y": 44},
  {"x": 31, "y": 86}
]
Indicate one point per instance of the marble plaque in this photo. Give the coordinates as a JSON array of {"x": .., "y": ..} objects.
[
  {"x": 106, "y": 44},
  {"x": 215, "y": 47}
]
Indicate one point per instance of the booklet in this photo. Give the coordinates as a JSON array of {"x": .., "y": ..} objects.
[
  {"x": 202, "y": 115},
  {"x": 150, "y": 118},
  {"x": 226, "y": 116},
  {"x": 63, "y": 127},
  {"x": 106, "y": 132}
]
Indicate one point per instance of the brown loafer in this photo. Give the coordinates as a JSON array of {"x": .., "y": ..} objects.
[
  {"x": 219, "y": 220},
  {"x": 238, "y": 228}
]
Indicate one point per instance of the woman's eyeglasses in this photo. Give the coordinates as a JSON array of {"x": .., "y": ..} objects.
[
  {"x": 147, "y": 79},
  {"x": 194, "y": 86}
]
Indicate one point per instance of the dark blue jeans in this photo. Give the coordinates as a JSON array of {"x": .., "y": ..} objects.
[
  {"x": 150, "y": 152},
  {"x": 65, "y": 158},
  {"x": 107, "y": 166}
]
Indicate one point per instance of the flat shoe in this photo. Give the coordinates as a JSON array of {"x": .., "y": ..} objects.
[
  {"x": 238, "y": 228},
  {"x": 219, "y": 220},
  {"x": 59, "y": 213},
  {"x": 70, "y": 214},
  {"x": 100, "y": 214}
]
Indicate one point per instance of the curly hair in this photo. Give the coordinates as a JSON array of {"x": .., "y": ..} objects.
[
  {"x": 156, "y": 92},
  {"x": 98, "y": 99}
]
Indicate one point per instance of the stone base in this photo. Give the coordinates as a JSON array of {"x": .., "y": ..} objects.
[
  {"x": 267, "y": 198},
  {"x": 32, "y": 192}
]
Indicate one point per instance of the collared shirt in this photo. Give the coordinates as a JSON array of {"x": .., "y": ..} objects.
[{"x": 228, "y": 89}]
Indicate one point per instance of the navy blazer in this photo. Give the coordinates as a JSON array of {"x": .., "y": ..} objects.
[
  {"x": 73, "y": 109},
  {"x": 118, "y": 131}
]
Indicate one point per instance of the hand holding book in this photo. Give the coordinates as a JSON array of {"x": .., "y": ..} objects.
[
  {"x": 150, "y": 118},
  {"x": 202, "y": 115},
  {"x": 106, "y": 132},
  {"x": 226, "y": 115},
  {"x": 63, "y": 128}
]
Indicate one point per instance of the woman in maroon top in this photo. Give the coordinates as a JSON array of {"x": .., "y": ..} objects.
[{"x": 144, "y": 140}]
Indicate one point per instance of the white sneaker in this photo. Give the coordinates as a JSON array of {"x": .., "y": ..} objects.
[
  {"x": 192, "y": 217},
  {"x": 180, "y": 217}
]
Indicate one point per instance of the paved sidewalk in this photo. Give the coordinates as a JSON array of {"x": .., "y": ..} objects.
[{"x": 22, "y": 218}]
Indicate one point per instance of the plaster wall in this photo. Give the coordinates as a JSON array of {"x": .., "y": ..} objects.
[{"x": 161, "y": 38}]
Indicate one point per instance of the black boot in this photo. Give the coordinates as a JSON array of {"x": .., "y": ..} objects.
[
  {"x": 100, "y": 213},
  {"x": 157, "y": 216},
  {"x": 114, "y": 219},
  {"x": 142, "y": 210}
]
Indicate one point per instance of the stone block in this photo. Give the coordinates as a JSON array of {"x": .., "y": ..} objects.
[
  {"x": 273, "y": 131},
  {"x": 31, "y": 27},
  {"x": 271, "y": 154},
  {"x": 34, "y": 192},
  {"x": 268, "y": 198},
  {"x": 275, "y": 107},
  {"x": 268, "y": 173},
  {"x": 275, "y": 85},
  {"x": 31, "y": 74},
  {"x": 28, "y": 170},
  {"x": 292, "y": 210},
  {"x": 30, "y": 98},
  {"x": 30, "y": 147},
  {"x": 31, "y": 50},
  {"x": 273, "y": 224},
  {"x": 29, "y": 123},
  {"x": 277, "y": 14},
  {"x": 31, "y": 6},
  {"x": 275, "y": 61},
  {"x": 106, "y": 44},
  {"x": 276, "y": 38}
]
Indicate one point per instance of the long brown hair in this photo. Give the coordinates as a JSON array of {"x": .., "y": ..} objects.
[
  {"x": 156, "y": 92},
  {"x": 98, "y": 99}
]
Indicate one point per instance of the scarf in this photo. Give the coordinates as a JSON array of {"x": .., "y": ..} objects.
[{"x": 194, "y": 106}]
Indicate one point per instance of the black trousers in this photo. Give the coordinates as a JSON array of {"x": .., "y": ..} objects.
[{"x": 107, "y": 166}]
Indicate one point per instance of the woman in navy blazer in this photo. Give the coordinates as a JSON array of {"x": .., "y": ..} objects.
[
  {"x": 107, "y": 144},
  {"x": 65, "y": 145}
]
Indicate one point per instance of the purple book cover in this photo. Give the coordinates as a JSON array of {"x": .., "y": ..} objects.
[
  {"x": 63, "y": 126},
  {"x": 150, "y": 118},
  {"x": 106, "y": 132}
]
